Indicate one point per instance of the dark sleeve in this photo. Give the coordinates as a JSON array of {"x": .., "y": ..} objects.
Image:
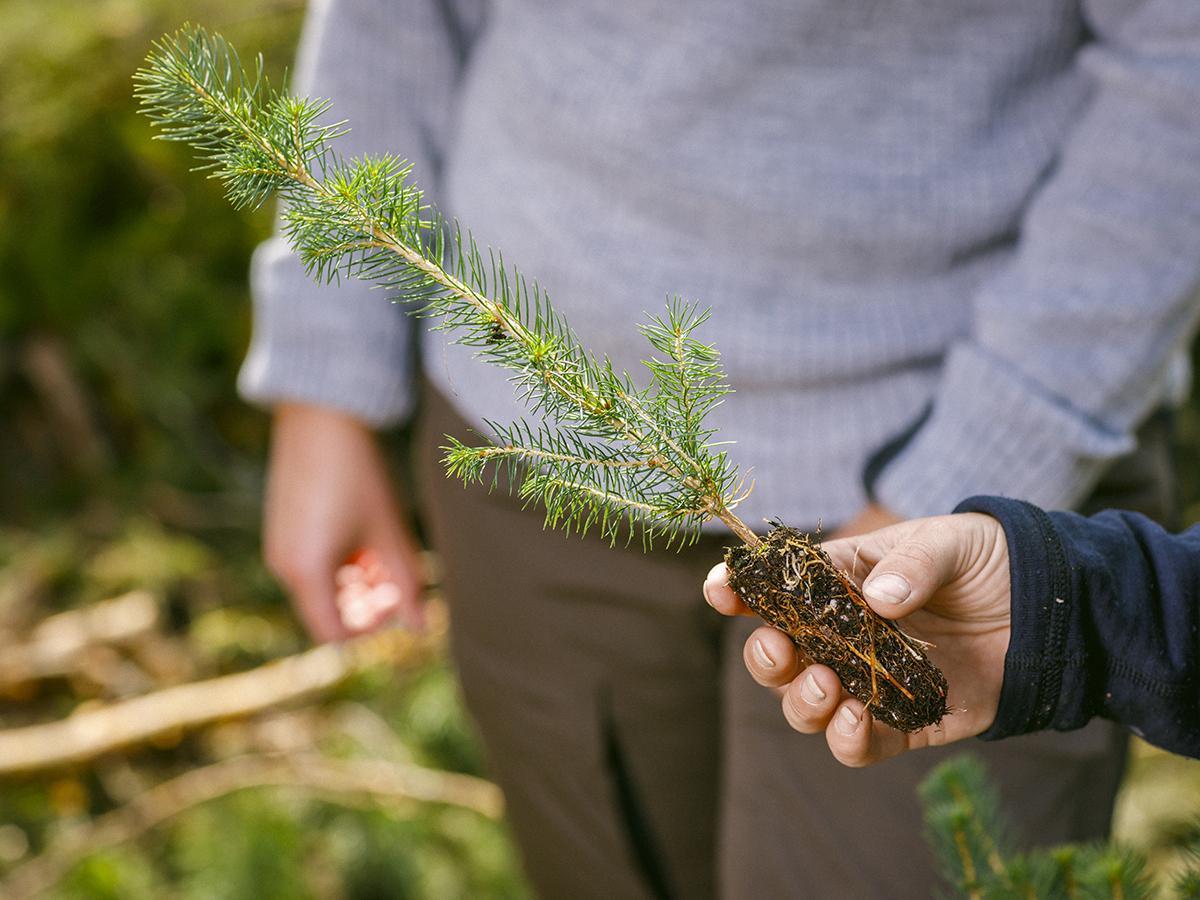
[{"x": 1105, "y": 622}]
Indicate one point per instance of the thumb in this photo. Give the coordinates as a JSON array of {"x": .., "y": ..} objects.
[
  {"x": 915, "y": 568},
  {"x": 406, "y": 572},
  {"x": 314, "y": 598},
  {"x": 404, "y": 568}
]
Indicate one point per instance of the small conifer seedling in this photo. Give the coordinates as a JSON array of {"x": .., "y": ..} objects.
[
  {"x": 608, "y": 455},
  {"x": 976, "y": 848}
]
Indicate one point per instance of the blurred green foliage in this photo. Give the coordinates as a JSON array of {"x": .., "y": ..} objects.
[
  {"x": 126, "y": 460},
  {"x": 976, "y": 848},
  {"x": 115, "y": 260}
]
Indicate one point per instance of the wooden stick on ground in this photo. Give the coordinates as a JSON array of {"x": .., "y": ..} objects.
[
  {"x": 54, "y": 646},
  {"x": 92, "y": 732},
  {"x": 336, "y": 780}
]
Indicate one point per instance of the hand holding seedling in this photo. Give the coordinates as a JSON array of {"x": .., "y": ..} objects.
[{"x": 947, "y": 580}]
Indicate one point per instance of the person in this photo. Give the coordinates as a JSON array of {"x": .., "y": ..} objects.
[
  {"x": 1041, "y": 620},
  {"x": 949, "y": 250}
]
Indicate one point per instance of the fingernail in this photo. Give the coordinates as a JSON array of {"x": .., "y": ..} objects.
[
  {"x": 811, "y": 691},
  {"x": 710, "y": 580},
  {"x": 760, "y": 655},
  {"x": 847, "y": 722},
  {"x": 888, "y": 587}
]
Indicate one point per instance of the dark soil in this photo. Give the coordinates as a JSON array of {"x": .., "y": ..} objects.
[{"x": 795, "y": 587}]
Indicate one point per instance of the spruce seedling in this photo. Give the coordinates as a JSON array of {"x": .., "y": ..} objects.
[
  {"x": 607, "y": 455},
  {"x": 973, "y": 843}
]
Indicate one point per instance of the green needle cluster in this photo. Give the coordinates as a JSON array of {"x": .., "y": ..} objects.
[
  {"x": 606, "y": 454},
  {"x": 974, "y": 846}
]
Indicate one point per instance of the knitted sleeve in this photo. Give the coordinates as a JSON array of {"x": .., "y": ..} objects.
[{"x": 1071, "y": 342}]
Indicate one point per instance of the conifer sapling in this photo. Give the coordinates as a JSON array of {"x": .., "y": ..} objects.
[
  {"x": 607, "y": 455},
  {"x": 974, "y": 845}
]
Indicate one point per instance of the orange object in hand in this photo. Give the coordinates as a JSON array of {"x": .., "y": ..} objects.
[{"x": 365, "y": 592}]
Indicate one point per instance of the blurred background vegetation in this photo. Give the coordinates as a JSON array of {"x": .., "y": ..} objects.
[
  {"x": 127, "y": 462},
  {"x": 130, "y": 470}
]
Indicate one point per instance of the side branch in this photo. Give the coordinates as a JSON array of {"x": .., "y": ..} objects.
[
  {"x": 616, "y": 500},
  {"x": 531, "y": 454}
]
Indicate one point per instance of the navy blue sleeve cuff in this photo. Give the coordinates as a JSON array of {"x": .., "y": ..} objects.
[{"x": 1045, "y": 671}]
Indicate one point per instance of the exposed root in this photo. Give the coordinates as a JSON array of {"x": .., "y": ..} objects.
[{"x": 792, "y": 583}]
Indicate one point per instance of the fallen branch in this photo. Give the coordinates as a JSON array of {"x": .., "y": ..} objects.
[
  {"x": 54, "y": 646},
  {"x": 95, "y": 731},
  {"x": 335, "y": 780}
]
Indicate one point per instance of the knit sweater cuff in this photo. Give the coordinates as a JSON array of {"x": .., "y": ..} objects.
[
  {"x": 993, "y": 431},
  {"x": 307, "y": 348}
]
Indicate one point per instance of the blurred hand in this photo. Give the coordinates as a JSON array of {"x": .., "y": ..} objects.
[
  {"x": 328, "y": 495},
  {"x": 948, "y": 579}
]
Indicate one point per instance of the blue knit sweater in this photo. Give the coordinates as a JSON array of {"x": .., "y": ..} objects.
[{"x": 989, "y": 209}]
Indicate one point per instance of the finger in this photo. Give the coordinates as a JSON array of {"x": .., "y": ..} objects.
[
  {"x": 314, "y": 598},
  {"x": 771, "y": 657},
  {"x": 859, "y": 554},
  {"x": 915, "y": 567},
  {"x": 310, "y": 581},
  {"x": 810, "y": 699},
  {"x": 720, "y": 596},
  {"x": 855, "y": 739},
  {"x": 405, "y": 572}
]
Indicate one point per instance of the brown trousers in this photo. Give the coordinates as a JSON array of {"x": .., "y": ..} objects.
[{"x": 637, "y": 757}]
